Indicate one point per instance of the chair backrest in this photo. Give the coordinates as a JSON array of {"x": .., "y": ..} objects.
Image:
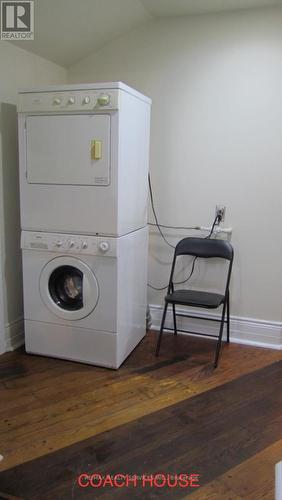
[{"x": 205, "y": 248}]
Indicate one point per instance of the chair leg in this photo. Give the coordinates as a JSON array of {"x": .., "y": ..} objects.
[
  {"x": 161, "y": 330},
  {"x": 174, "y": 319},
  {"x": 228, "y": 319},
  {"x": 220, "y": 336}
]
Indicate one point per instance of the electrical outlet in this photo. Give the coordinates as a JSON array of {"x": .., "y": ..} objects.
[{"x": 220, "y": 212}]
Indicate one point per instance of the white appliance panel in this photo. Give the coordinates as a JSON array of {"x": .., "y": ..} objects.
[
  {"x": 76, "y": 209},
  {"x": 76, "y": 344},
  {"x": 61, "y": 149},
  {"x": 62, "y": 101}
]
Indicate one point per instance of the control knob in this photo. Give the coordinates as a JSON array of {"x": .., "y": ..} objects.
[
  {"x": 57, "y": 100},
  {"x": 71, "y": 244},
  {"x": 71, "y": 100},
  {"x": 59, "y": 243},
  {"x": 104, "y": 246},
  {"x": 86, "y": 100},
  {"x": 103, "y": 99},
  {"x": 84, "y": 244}
]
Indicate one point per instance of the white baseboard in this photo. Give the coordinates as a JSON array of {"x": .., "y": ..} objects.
[
  {"x": 247, "y": 331},
  {"x": 2, "y": 345},
  {"x": 278, "y": 481},
  {"x": 14, "y": 334}
]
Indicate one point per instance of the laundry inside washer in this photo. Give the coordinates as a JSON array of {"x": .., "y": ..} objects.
[{"x": 65, "y": 286}]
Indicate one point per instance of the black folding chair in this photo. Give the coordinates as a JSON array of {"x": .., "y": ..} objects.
[{"x": 200, "y": 248}]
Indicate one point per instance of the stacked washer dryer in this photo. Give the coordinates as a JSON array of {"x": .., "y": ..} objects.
[{"x": 84, "y": 153}]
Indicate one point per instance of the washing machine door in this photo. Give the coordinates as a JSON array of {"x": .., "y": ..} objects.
[{"x": 69, "y": 288}]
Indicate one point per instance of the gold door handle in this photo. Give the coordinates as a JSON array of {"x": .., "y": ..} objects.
[{"x": 96, "y": 150}]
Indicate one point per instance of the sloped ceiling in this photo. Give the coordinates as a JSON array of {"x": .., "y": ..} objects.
[
  {"x": 164, "y": 8},
  {"x": 68, "y": 30}
]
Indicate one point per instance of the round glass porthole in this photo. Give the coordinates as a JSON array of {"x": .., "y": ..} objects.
[
  {"x": 69, "y": 288},
  {"x": 66, "y": 288}
]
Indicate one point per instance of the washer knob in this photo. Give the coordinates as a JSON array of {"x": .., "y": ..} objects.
[
  {"x": 71, "y": 244},
  {"x": 84, "y": 245},
  {"x": 104, "y": 246},
  {"x": 86, "y": 100},
  {"x": 59, "y": 243},
  {"x": 103, "y": 99},
  {"x": 57, "y": 100},
  {"x": 71, "y": 100}
]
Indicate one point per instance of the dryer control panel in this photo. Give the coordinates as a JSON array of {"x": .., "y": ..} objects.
[
  {"x": 69, "y": 244},
  {"x": 69, "y": 101}
]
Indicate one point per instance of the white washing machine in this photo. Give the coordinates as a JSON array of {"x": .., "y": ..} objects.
[
  {"x": 84, "y": 296},
  {"x": 84, "y": 154}
]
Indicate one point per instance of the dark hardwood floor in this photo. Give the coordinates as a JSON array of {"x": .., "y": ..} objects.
[{"x": 170, "y": 415}]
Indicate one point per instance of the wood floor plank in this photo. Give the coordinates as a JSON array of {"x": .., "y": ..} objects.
[
  {"x": 48, "y": 404},
  {"x": 252, "y": 479},
  {"x": 212, "y": 432}
]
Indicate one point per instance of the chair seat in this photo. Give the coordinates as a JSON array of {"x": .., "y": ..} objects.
[{"x": 195, "y": 298}]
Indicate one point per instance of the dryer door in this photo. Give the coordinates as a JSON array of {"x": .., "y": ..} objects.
[
  {"x": 69, "y": 288},
  {"x": 68, "y": 149}
]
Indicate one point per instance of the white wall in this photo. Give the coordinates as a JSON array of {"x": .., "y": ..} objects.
[
  {"x": 215, "y": 81},
  {"x": 18, "y": 69}
]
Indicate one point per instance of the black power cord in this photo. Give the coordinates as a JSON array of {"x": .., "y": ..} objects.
[
  {"x": 187, "y": 228},
  {"x": 176, "y": 282},
  {"x": 157, "y": 224},
  {"x": 159, "y": 289},
  {"x": 216, "y": 221},
  {"x": 155, "y": 215},
  {"x": 175, "y": 227},
  {"x": 195, "y": 258}
]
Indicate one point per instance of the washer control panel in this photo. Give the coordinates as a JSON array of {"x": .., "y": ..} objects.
[
  {"x": 69, "y": 244},
  {"x": 66, "y": 101}
]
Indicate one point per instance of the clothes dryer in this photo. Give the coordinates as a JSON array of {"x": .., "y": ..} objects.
[{"x": 83, "y": 154}]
